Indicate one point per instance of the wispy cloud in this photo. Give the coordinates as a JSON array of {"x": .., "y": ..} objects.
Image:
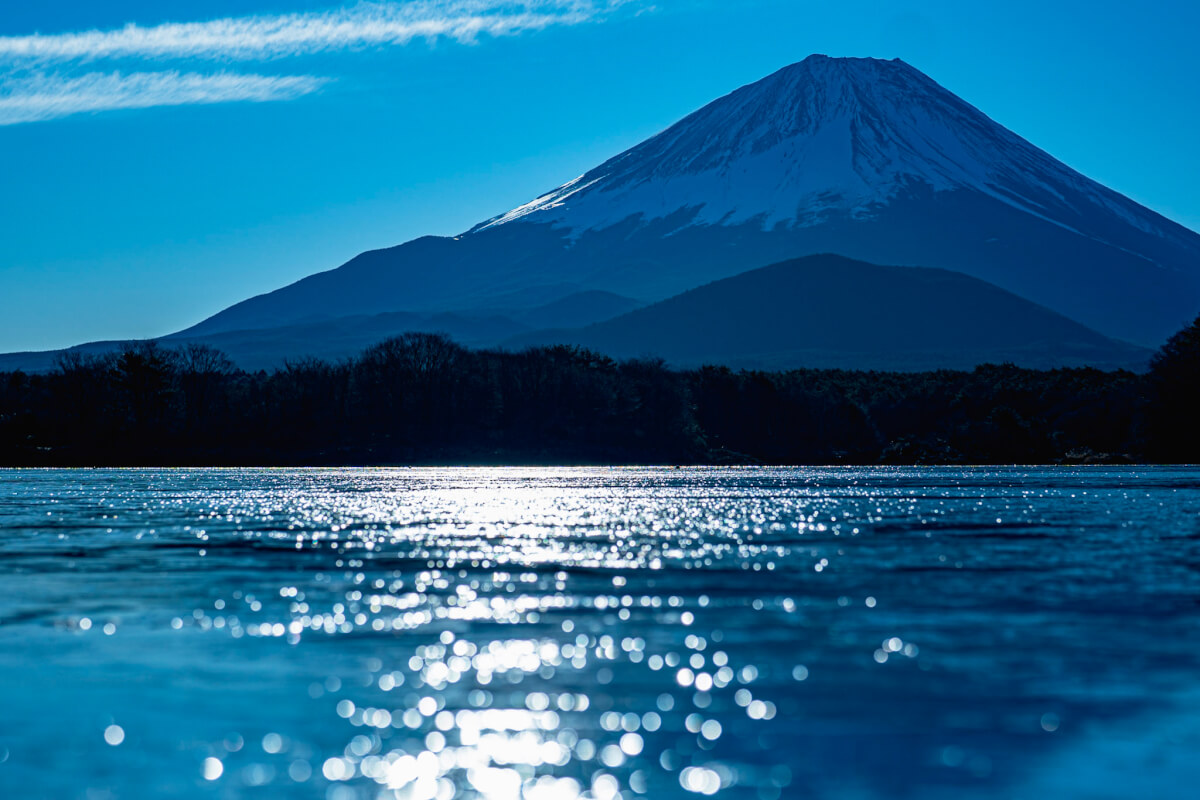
[
  {"x": 276, "y": 36},
  {"x": 44, "y": 97},
  {"x": 40, "y": 80}
]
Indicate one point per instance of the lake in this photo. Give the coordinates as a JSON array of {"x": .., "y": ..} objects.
[{"x": 548, "y": 634}]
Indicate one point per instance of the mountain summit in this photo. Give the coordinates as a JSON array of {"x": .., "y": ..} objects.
[
  {"x": 863, "y": 157},
  {"x": 829, "y": 137}
]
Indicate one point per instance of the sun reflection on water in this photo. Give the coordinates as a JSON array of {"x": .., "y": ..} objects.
[{"x": 581, "y": 710}]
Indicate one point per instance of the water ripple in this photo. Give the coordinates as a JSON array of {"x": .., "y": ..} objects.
[{"x": 597, "y": 633}]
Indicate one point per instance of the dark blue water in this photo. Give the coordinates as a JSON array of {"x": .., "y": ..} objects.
[{"x": 549, "y": 634}]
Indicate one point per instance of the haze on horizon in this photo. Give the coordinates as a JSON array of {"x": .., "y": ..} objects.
[{"x": 160, "y": 172}]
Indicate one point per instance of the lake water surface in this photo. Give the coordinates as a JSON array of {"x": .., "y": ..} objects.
[{"x": 549, "y": 634}]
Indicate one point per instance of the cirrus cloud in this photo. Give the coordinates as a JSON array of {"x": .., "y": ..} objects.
[
  {"x": 30, "y": 91},
  {"x": 283, "y": 35},
  {"x": 44, "y": 97}
]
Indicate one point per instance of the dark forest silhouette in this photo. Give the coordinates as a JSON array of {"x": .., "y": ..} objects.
[{"x": 421, "y": 398}]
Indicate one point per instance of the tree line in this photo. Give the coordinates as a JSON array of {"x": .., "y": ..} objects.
[{"x": 421, "y": 398}]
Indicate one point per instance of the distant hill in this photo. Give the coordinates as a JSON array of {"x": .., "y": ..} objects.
[
  {"x": 330, "y": 340},
  {"x": 343, "y": 337},
  {"x": 830, "y": 311}
]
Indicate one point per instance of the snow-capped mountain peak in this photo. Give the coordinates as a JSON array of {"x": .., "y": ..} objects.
[{"x": 818, "y": 138}]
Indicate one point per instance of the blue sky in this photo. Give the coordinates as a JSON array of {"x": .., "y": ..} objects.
[{"x": 152, "y": 175}]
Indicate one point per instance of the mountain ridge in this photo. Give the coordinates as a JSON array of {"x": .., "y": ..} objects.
[{"x": 734, "y": 322}]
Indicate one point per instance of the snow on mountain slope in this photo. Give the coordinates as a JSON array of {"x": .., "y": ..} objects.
[{"x": 823, "y": 136}]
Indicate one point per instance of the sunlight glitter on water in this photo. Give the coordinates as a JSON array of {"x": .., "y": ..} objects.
[
  {"x": 581, "y": 633},
  {"x": 529, "y": 736}
]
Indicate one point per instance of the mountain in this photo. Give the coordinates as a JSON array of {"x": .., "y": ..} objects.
[
  {"x": 868, "y": 158},
  {"x": 830, "y": 311}
]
